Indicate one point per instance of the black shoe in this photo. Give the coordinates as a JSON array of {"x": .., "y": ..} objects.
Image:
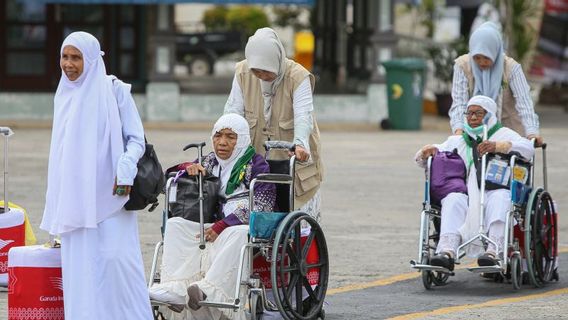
[
  {"x": 444, "y": 260},
  {"x": 487, "y": 260}
]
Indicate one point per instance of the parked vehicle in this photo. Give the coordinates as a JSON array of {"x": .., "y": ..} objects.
[{"x": 199, "y": 51}]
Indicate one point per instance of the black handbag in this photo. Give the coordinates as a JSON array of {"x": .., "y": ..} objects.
[
  {"x": 149, "y": 181},
  {"x": 186, "y": 204}
]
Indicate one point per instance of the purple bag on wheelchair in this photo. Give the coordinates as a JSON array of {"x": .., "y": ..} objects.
[{"x": 447, "y": 175}]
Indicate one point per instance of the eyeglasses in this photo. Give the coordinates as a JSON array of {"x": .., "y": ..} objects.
[{"x": 478, "y": 114}]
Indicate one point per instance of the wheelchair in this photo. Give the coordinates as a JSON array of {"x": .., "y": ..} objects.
[
  {"x": 290, "y": 244},
  {"x": 531, "y": 230}
]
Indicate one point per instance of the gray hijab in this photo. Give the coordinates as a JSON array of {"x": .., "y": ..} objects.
[
  {"x": 264, "y": 51},
  {"x": 486, "y": 40}
]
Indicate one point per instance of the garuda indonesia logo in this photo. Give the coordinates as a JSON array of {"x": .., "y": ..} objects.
[
  {"x": 56, "y": 282},
  {"x": 4, "y": 243}
]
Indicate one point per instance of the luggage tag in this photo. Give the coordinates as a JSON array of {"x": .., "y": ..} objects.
[
  {"x": 172, "y": 198},
  {"x": 520, "y": 174},
  {"x": 173, "y": 193}
]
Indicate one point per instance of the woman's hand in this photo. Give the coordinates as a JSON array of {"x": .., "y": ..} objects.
[
  {"x": 301, "y": 153},
  {"x": 209, "y": 235},
  {"x": 458, "y": 132},
  {"x": 121, "y": 190},
  {"x": 428, "y": 150},
  {"x": 194, "y": 169},
  {"x": 538, "y": 140},
  {"x": 487, "y": 147}
]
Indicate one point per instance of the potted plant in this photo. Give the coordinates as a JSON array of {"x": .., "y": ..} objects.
[{"x": 443, "y": 57}]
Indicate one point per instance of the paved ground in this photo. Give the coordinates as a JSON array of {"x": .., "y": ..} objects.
[{"x": 371, "y": 203}]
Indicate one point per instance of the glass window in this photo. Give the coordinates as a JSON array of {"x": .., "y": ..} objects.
[
  {"x": 82, "y": 13},
  {"x": 25, "y": 10},
  {"x": 127, "y": 38},
  {"x": 26, "y": 36},
  {"x": 96, "y": 31},
  {"x": 126, "y": 64},
  {"x": 24, "y": 63},
  {"x": 127, "y": 14}
]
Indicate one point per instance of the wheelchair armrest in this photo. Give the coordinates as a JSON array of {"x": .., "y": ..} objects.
[
  {"x": 507, "y": 156},
  {"x": 520, "y": 158},
  {"x": 273, "y": 177}
]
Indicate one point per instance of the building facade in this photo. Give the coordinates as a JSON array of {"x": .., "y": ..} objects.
[{"x": 33, "y": 33}]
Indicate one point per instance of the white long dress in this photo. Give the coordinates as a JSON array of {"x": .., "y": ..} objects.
[
  {"x": 213, "y": 269},
  {"x": 103, "y": 274}
]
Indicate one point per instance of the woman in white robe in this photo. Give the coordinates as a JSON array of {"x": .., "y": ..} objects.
[
  {"x": 96, "y": 142},
  {"x": 460, "y": 212}
]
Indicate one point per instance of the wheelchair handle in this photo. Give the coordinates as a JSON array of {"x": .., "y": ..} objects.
[
  {"x": 194, "y": 145},
  {"x": 275, "y": 144}
]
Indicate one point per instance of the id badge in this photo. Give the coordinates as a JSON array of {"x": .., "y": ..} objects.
[
  {"x": 498, "y": 172},
  {"x": 173, "y": 193}
]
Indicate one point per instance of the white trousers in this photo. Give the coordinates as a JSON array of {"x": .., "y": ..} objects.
[
  {"x": 454, "y": 212},
  {"x": 103, "y": 271},
  {"x": 213, "y": 269}
]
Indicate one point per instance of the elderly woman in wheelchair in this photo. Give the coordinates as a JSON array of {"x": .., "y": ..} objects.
[
  {"x": 460, "y": 208},
  {"x": 190, "y": 275}
]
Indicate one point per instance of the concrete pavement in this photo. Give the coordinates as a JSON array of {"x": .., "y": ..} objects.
[{"x": 372, "y": 196}]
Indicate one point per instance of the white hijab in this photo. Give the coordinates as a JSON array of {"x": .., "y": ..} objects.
[
  {"x": 86, "y": 143},
  {"x": 490, "y": 118},
  {"x": 486, "y": 40},
  {"x": 264, "y": 51},
  {"x": 238, "y": 125}
]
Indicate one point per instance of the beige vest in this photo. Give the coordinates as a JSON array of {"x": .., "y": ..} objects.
[
  {"x": 506, "y": 111},
  {"x": 308, "y": 177}
]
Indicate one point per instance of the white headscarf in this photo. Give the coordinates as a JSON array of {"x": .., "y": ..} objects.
[
  {"x": 486, "y": 40},
  {"x": 264, "y": 51},
  {"x": 490, "y": 118},
  {"x": 238, "y": 125},
  {"x": 86, "y": 143}
]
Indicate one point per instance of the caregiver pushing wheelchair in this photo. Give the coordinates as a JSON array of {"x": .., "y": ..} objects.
[{"x": 489, "y": 207}]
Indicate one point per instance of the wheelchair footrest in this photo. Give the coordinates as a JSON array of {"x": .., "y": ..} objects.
[
  {"x": 219, "y": 305},
  {"x": 428, "y": 267},
  {"x": 490, "y": 269}
]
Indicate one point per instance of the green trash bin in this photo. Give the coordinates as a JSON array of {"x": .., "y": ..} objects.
[{"x": 405, "y": 86}]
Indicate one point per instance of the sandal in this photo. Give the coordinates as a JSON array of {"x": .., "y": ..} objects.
[
  {"x": 195, "y": 296},
  {"x": 443, "y": 259},
  {"x": 487, "y": 260}
]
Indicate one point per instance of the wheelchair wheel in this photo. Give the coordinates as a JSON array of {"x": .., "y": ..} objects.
[
  {"x": 516, "y": 271},
  {"x": 157, "y": 314},
  {"x": 427, "y": 275},
  {"x": 540, "y": 237},
  {"x": 430, "y": 278},
  {"x": 255, "y": 306},
  {"x": 440, "y": 278},
  {"x": 300, "y": 269}
]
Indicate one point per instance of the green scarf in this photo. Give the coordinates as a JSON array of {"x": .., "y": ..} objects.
[
  {"x": 239, "y": 169},
  {"x": 469, "y": 141}
]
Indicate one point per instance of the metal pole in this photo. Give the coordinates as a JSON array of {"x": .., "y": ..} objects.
[
  {"x": 6, "y": 171},
  {"x": 482, "y": 187},
  {"x": 544, "y": 171},
  {"x": 201, "y": 223}
]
